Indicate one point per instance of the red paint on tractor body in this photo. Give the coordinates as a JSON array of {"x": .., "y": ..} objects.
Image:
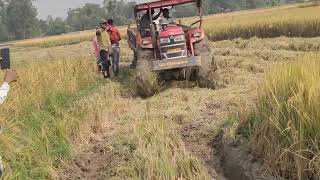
[{"x": 173, "y": 30}]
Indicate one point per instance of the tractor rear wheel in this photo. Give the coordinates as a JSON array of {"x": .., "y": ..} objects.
[
  {"x": 146, "y": 81},
  {"x": 206, "y": 77}
]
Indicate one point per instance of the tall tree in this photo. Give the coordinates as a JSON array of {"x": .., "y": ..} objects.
[
  {"x": 55, "y": 26},
  {"x": 251, "y": 4},
  {"x": 119, "y": 10},
  {"x": 85, "y": 18},
  {"x": 3, "y": 27},
  {"x": 21, "y": 18}
]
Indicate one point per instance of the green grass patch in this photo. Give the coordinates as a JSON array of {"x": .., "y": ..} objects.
[
  {"x": 43, "y": 113},
  {"x": 45, "y": 134}
]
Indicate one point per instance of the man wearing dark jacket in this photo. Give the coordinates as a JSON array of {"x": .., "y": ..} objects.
[{"x": 146, "y": 22}]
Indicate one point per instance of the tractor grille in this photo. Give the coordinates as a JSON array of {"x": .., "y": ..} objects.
[
  {"x": 174, "y": 55},
  {"x": 173, "y": 51}
]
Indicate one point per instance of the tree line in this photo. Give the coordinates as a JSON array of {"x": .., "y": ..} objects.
[{"x": 18, "y": 18}]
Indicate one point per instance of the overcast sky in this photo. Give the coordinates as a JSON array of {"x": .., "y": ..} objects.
[{"x": 59, "y": 8}]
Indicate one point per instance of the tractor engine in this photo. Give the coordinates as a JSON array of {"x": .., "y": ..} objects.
[{"x": 172, "y": 43}]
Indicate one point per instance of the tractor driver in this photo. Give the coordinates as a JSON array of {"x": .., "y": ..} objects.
[
  {"x": 167, "y": 19},
  {"x": 145, "y": 23}
]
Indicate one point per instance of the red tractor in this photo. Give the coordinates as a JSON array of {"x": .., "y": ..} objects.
[{"x": 171, "y": 50}]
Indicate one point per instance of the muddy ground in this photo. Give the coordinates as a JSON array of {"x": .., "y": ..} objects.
[{"x": 207, "y": 128}]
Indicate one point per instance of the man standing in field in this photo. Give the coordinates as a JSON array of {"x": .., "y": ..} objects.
[
  {"x": 115, "y": 38},
  {"x": 105, "y": 47}
]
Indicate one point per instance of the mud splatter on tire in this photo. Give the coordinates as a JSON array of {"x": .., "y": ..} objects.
[
  {"x": 146, "y": 81},
  {"x": 206, "y": 76}
]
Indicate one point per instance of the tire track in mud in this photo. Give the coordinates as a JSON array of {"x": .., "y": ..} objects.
[
  {"x": 93, "y": 156},
  {"x": 90, "y": 160}
]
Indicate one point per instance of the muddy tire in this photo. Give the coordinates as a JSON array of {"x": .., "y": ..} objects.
[
  {"x": 146, "y": 81},
  {"x": 133, "y": 64},
  {"x": 206, "y": 77}
]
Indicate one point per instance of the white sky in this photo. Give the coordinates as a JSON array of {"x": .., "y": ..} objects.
[{"x": 59, "y": 8}]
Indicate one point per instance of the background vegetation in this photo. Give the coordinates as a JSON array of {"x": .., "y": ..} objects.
[
  {"x": 19, "y": 20},
  {"x": 300, "y": 20},
  {"x": 289, "y": 21}
]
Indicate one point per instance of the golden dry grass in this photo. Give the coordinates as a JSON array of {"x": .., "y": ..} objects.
[
  {"x": 291, "y": 22},
  {"x": 285, "y": 127},
  {"x": 63, "y": 40},
  {"x": 34, "y": 133},
  {"x": 59, "y": 98},
  {"x": 59, "y": 40}
]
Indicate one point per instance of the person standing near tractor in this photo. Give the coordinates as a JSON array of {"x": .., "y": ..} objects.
[
  {"x": 115, "y": 38},
  {"x": 10, "y": 77},
  {"x": 105, "y": 47}
]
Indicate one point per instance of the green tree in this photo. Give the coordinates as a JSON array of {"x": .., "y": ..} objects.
[
  {"x": 44, "y": 27},
  {"x": 21, "y": 18},
  {"x": 3, "y": 27},
  {"x": 118, "y": 10},
  {"x": 55, "y": 26},
  {"x": 84, "y": 18},
  {"x": 185, "y": 10},
  {"x": 251, "y": 4}
]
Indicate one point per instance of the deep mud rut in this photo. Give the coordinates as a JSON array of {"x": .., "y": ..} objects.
[{"x": 241, "y": 66}]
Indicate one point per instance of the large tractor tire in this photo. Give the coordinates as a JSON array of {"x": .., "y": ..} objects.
[
  {"x": 146, "y": 81},
  {"x": 206, "y": 77}
]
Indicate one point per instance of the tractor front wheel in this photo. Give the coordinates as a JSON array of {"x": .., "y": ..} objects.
[
  {"x": 146, "y": 81},
  {"x": 206, "y": 77}
]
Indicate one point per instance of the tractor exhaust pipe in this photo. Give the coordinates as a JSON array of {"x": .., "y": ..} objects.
[{"x": 199, "y": 5}]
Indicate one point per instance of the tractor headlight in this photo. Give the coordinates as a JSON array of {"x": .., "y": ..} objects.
[
  {"x": 179, "y": 38},
  {"x": 164, "y": 40},
  {"x": 197, "y": 34},
  {"x": 146, "y": 42}
]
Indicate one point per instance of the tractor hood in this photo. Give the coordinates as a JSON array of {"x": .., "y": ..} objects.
[{"x": 171, "y": 31}]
